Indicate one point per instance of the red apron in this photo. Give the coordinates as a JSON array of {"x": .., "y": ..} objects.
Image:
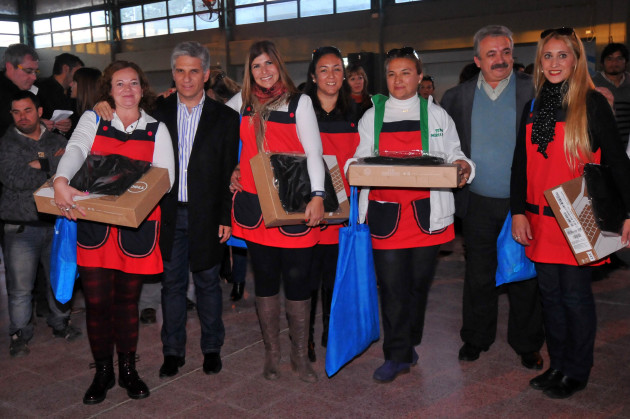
[
  {"x": 339, "y": 138},
  {"x": 247, "y": 221},
  {"x": 399, "y": 218},
  {"x": 131, "y": 250},
  {"x": 549, "y": 244}
]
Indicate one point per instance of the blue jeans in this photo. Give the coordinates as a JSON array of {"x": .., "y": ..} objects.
[
  {"x": 26, "y": 246},
  {"x": 207, "y": 290}
]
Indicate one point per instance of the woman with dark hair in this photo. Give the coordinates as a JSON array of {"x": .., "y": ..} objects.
[
  {"x": 337, "y": 117},
  {"x": 567, "y": 125},
  {"x": 84, "y": 88},
  {"x": 219, "y": 86},
  {"x": 407, "y": 225},
  {"x": 358, "y": 82},
  {"x": 113, "y": 261},
  {"x": 276, "y": 118}
]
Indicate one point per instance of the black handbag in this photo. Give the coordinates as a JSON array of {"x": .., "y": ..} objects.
[{"x": 605, "y": 199}]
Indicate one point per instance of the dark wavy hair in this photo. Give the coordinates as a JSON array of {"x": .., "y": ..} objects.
[
  {"x": 343, "y": 105},
  {"x": 87, "y": 79},
  {"x": 105, "y": 85}
]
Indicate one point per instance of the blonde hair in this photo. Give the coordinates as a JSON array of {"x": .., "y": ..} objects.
[{"x": 577, "y": 145}]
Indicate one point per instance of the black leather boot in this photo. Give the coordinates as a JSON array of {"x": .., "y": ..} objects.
[
  {"x": 326, "y": 303},
  {"x": 104, "y": 379},
  {"x": 312, "y": 356},
  {"x": 128, "y": 376}
]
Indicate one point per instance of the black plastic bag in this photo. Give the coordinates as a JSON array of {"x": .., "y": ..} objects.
[
  {"x": 405, "y": 161},
  {"x": 110, "y": 175},
  {"x": 605, "y": 199},
  {"x": 294, "y": 185}
]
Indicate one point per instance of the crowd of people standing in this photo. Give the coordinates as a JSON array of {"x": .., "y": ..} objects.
[{"x": 511, "y": 136}]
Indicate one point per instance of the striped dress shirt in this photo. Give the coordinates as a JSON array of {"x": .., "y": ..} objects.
[{"x": 187, "y": 123}]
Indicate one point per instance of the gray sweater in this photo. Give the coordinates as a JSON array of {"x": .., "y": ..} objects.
[{"x": 20, "y": 180}]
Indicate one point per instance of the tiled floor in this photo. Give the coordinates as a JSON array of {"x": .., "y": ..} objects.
[{"x": 52, "y": 379}]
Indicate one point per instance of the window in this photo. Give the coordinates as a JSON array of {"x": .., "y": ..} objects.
[
  {"x": 9, "y": 33},
  {"x": 252, "y": 11},
  {"x": 79, "y": 28},
  {"x": 164, "y": 17}
]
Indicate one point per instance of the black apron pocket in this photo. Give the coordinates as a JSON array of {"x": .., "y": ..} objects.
[
  {"x": 246, "y": 210},
  {"x": 297, "y": 230},
  {"x": 139, "y": 242},
  {"x": 422, "y": 214},
  {"x": 92, "y": 235},
  {"x": 383, "y": 218}
]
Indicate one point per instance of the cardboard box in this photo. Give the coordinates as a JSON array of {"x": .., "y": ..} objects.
[
  {"x": 440, "y": 176},
  {"x": 128, "y": 209},
  {"x": 572, "y": 208},
  {"x": 274, "y": 214}
]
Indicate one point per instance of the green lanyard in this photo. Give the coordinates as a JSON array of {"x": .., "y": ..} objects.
[{"x": 379, "y": 115}]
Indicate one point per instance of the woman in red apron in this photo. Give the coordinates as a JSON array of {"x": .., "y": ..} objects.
[
  {"x": 113, "y": 260},
  {"x": 407, "y": 225},
  {"x": 337, "y": 117},
  {"x": 276, "y": 118},
  {"x": 567, "y": 125}
]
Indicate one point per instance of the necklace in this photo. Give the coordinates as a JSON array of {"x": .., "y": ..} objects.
[{"x": 134, "y": 125}]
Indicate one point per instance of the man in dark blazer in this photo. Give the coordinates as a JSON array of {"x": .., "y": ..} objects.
[
  {"x": 196, "y": 212},
  {"x": 487, "y": 113}
]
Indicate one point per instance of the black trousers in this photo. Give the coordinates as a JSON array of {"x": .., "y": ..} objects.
[
  {"x": 275, "y": 265},
  {"x": 481, "y": 228},
  {"x": 570, "y": 319},
  {"x": 404, "y": 278}
]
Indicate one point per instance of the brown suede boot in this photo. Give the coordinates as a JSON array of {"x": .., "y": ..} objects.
[
  {"x": 268, "y": 309},
  {"x": 299, "y": 313}
]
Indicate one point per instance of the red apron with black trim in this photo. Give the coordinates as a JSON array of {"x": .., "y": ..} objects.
[
  {"x": 400, "y": 218},
  {"x": 339, "y": 138},
  {"x": 549, "y": 244},
  {"x": 247, "y": 220},
  {"x": 131, "y": 250}
]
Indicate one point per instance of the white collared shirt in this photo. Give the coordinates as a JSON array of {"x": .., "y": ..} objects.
[
  {"x": 187, "y": 123},
  {"x": 493, "y": 93}
]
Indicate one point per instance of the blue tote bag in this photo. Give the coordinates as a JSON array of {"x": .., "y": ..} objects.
[
  {"x": 63, "y": 259},
  {"x": 512, "y": 264},
  {"x": 354, "y": 323}
]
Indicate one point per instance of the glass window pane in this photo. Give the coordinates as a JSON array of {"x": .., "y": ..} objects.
[
  {"x": 179, "y": 7},
  {"x": 204, "y": 24},
  {"x": 244, "y": 2},
  {"x": 61, "y": 38},
  {"x": 182, "y": 24},
  {"x": 133, "y": 30},
  {"x": 60, "y": 23},
  {"x": 41, "y": 26},
  {"x": 315, "y": 7},
  {"x": 9, "y": 7},
  {"x": 98, "y": 18},
  {"x": 157, "y": 27},
  {"x": 43, "y": 41},
  {"x": 130, "y": 14},
  {"x": 10, "y": 27},
  {"x": 155, "y": 10},
  {"x": 80, "y": 21},
  {"x": 282, "y": 11},
  {"x": 55, "y": 6},
  {"x": 99, "y": 34},
  {"x": 6, "y": 40},
  {"x": 352, "y": 5},
  {"x": 82, "y": 37},
  {"x": 250, "y": 15}
]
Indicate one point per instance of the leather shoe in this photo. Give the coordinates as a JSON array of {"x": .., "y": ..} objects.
[
  {"x": 469, "y": 352},
  {"x": 390, "y": 370},
  {"x": 532, "y": 360},
  {"x": 171, "y": 365},
  {"x": 565, "y": 388},
  {"x": 237, "y": 291},
  {"x": 546, "y": 379},
  {"x": 212, "y": 363},
  {"x": 147, "y": 316}
]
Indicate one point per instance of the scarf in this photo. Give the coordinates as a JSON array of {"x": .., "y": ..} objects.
[
  {"x": 544, "y": 126},
  {"x": 264, "y": 102},
  {"x": 357, "y": 98}
]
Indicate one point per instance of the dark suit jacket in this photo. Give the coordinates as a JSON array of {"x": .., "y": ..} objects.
[
  {"x": 458, "y": 102},
  {"x": 213, "y": 158}
]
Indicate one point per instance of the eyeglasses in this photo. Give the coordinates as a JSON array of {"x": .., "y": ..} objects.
[
  {"x": 402, "y": 52},
  {"x": 560, "y": 31},
  {"x": 27, "y": 70},
  {"x": 325, "y": 50}
]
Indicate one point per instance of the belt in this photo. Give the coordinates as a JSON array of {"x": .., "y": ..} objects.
[
  {"x": 536, "y": 209},
  {"x": 182, "y": 204}
]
